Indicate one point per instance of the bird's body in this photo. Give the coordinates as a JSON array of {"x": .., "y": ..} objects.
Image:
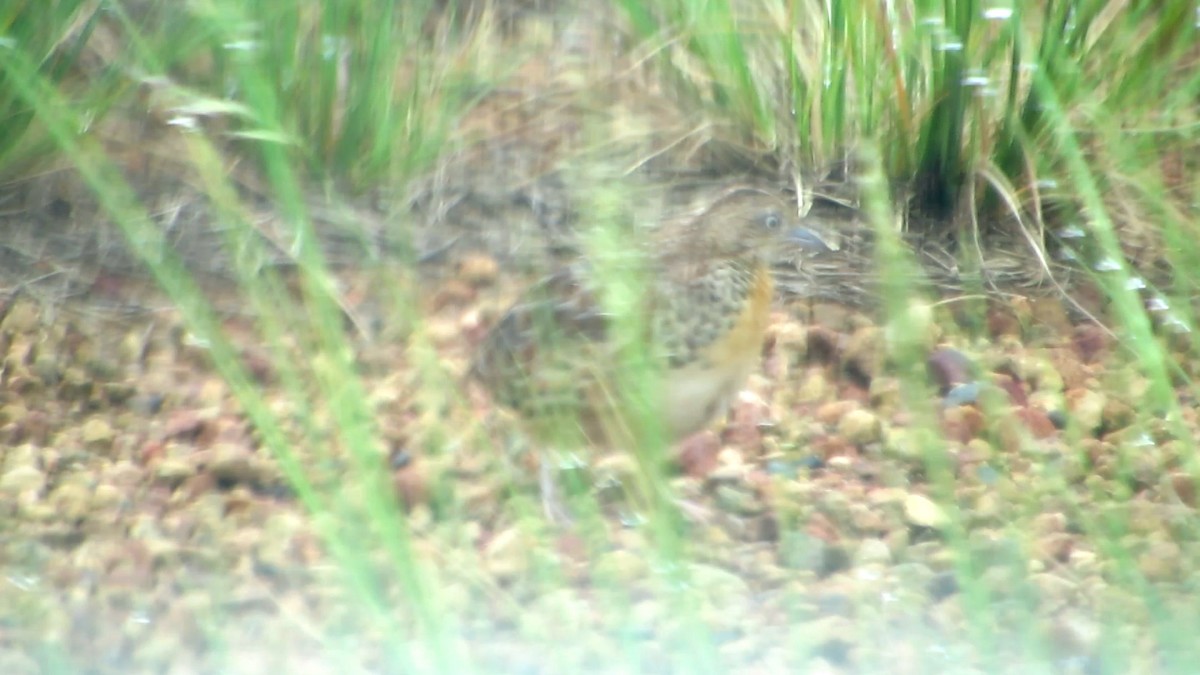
[
  {"x": 556, "y": 356},
  {"x": 713, "y": 340}
]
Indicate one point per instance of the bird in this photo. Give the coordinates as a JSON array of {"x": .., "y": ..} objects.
[{"x": 570, "y": 360}]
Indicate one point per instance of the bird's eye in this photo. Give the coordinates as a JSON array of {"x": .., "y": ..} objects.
[{"x": 772, "y": 221}]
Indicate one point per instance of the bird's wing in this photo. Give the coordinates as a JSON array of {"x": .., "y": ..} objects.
[{"x": 541, "y": 349}]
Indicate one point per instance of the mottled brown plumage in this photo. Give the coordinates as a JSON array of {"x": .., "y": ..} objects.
[{"x": 555, "y": 356}]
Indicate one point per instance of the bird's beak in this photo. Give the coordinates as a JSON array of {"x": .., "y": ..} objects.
[{"x": 810, "y": 240}]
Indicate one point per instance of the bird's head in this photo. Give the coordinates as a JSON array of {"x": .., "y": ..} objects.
[{"x": 754, "y": 224}]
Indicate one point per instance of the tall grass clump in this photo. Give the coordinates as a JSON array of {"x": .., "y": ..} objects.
[
  {"x": 944, "y": 88},
  {"x": 53, "y": 36}
]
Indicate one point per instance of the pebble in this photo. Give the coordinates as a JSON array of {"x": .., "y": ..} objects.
[
  {"x": 872, "y": 551},
  {"x": 97, "y": 433},
  {"x": 860, "y": 427},
  {"x": 922, "y": 511},
  {"x": 22, "y": 479},
  {"x": 173, "y": 471}
]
